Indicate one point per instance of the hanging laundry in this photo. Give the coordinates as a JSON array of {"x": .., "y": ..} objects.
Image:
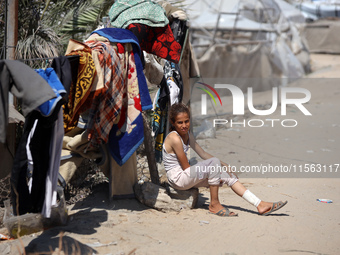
[
  {"x": 148, "y": 21},
  {"x": 127, "y": 133},
  {"x": 107, "y": 103},
  {"x": 117, "y": 35},
  {"x": 159, "y": 41},
  {"x": 26, "y": 85},
  {"x": 160, "y": 117},
  {"x": 125, "y": 12},
  {"x": 153, "y": 69},
  {"x": 31, "y": 199},
  {"x": 173, "y": 76},
  {"x": 188, "y": 63},
  {"x": 78, "y": 98},
  {"x": 47, "y": 108},
  {"x": 40, "y": 149},
  {"x": 66, "y": 67}
]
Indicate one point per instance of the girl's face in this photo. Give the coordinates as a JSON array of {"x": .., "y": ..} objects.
[{"x": 182, "y": 123}]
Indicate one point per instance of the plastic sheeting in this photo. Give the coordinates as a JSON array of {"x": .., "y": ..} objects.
[
  {"x": 249, "y": 39},
  {"x": 323, "y": 36}
]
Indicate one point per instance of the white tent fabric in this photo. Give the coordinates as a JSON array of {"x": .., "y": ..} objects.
[
  {"x": 315, "y": 10},
  {"x": 247, "y": 38}
]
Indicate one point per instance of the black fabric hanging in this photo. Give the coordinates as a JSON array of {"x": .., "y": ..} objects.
[{"x": 66, "y": 67}]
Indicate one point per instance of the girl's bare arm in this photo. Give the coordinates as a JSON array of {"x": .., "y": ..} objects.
[{"x": 175, "y": 143}]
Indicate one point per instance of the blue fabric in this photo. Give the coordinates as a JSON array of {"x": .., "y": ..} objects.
[
  {"x": 123, "y": 146},
  {"x": 52, "y": 79},
  {"x": 120, "y": 35}
]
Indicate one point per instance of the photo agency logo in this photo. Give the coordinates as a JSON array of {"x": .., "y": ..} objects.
[{"x": 238, "y": 105}]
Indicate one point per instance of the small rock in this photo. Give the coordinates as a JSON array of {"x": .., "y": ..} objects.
[{"x": 158, "y": 197}]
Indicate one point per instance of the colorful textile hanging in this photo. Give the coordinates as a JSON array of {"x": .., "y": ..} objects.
[
  {"x": 127, "y": 133},
  {"x": 80, "y": 91},
  {"x": 108, "y": 101},
  {"x": 159, "y": 41}
]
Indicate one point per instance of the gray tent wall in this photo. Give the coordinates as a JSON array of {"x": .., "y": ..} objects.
[{"x": 248, "y": 38}]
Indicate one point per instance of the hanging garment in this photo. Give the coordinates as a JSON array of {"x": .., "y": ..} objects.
[
  {"x": 67, "y": 70},
  {"x": 39, "y": 154},
  {"x": 54, "y": 164},
  {"x": 125, "y": 12},
  {"x": 159, "y": 41},
  {"x": 174, "y": 91},
  {"x": 26, "y": 85},
  {"x": 78, "y": 100},
  {"x": 160, "y": 117},
  {"x": 153, "y": 70},
  {"x": 46, "y": 109},
  {"x": 172, "y": 72},
  {"x": 31, "y": 200}
]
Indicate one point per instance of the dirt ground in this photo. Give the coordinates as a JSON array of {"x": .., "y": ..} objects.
[{"x": 303, "y": 226}]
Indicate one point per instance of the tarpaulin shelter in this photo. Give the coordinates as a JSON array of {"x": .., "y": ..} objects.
[
  {"x": 248, "y": 39},
  {"x": 323, "y": 29}
]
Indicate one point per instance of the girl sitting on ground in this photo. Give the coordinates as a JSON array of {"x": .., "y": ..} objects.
[{"x": 206, "y": 173}]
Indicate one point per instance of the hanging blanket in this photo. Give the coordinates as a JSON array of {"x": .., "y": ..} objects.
[
  {"x": 127, "y": 132},
  {"x": 126, "y": 136},
  {"x": 108, "y": 101},
  {"x": 79, "y": 92},
  {"x": 159, "y": 41},
  {"x": 118, "y": 35}
]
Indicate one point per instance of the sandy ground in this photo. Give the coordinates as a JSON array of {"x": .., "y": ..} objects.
[{"x": 303, "y": 226}]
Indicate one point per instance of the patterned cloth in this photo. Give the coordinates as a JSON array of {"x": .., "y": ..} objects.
[
  {"x": 158, "y": 127},
  {"x": 108, "y": 101},
  {"x": 128, "y": 133},
  {"x": 160, "y": 117},
  {"x": 125, "y": 12},
  {"x": 159, "y": 41},
  {"x": 119, "y": 35},
  {"x": 80, "y": 91}
]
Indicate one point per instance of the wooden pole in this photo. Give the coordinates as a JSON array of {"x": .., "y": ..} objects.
[
  {"x": 11, "y": 28},
  {"x": 7, "y": 151},
  {"x": 150, "y": 151}
]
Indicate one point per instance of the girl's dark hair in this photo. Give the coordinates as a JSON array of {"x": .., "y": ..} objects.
[{"x": 176, "y": 109}]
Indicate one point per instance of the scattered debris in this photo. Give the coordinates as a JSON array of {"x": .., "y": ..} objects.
[
  {"x": 98, "y": 244},
  {"x": 203, "y": 222},
  {"x": 323, "y": 200},
  {"x": 4, "y": 237}
]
